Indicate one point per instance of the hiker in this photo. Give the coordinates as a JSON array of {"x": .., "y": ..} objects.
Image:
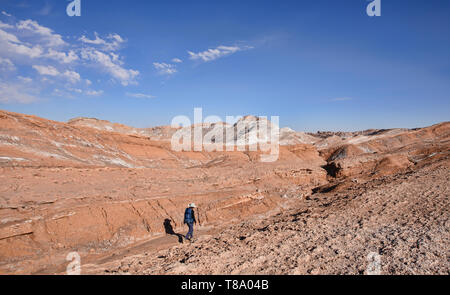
[{"x": 189, "y": 219}]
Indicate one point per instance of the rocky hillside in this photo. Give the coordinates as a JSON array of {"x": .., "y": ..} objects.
[
  {"x": 94, "y": 187},
  {"x": 404, "y": 219}
]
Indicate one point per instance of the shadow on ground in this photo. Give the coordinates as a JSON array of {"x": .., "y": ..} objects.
[{"x": 169, "y": 230}]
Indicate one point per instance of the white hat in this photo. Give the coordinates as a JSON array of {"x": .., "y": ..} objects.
[{"x": 192, "y": 205}]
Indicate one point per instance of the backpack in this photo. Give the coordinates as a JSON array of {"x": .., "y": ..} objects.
[{"x": 189, "y": 215}]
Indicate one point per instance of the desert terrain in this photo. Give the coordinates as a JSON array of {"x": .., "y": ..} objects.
[{"x": 116, "y": 195}]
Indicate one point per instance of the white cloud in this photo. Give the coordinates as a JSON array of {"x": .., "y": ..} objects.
[
  {"x": 116, "y": 38},
  {"x": 115, "y": 57},
  {"x": 46, "y": 34},
  {"x": 15, "y": 93},
  {"x": 8, "y": 37},
  {"x": 77, "y": 90},
  {"x": 59, "y": 92},
  {"x": 38, "y": 38},
  {"x": 96, "y": 41},
  {"x": 165, "y": 69},
  {"x": 70, "y": 92},
  {"x": 177, "y": 60},
  {"x": 106, "y": 63},
  {"x": 213, "y": 54},
  {"x": 115, "y": 41},
  {"x": 47, "y": 70},
  {"x": 11, "y": 46},
  {"x": 62, "y": 57},
  {"x": 94, "y": 93},
  {"x": 6, "y": 65},
  {"x": 28, "y": 44},
  {"x": 5, "y": 26},
  {"x": 5, "y": 13},
  {"x": 71, "y": 76},
  {"x": 139, "y": 95},
  {"x": 25, "y": 79}
]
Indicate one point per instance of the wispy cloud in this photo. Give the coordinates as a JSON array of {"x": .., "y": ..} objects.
[
  {"x": 28, "y": 44},
  {"x": 5, "y": 26},
  {"x": 69, "y": 92},
  {"x": 62, "y": 57},
  {"x": 12, "y": 47},
  {"x": 165, "y": 69},
  {"x": 177, "y": 60},
  {"x": 6, "y": 65},
  {"x": 7, "y": 14},
  {"x": 107, "y": 64},
  {"x": 16, "y": 93},
  {"x": 46, "y": 34},
  {"x": 25, "y": 79},
  {"x": 94, "y": 92},
  {"x": 341, "y": 99},
  {"x": 71, "y": 76},
  {"x": 215, "y": 53},
  {"x": 46, "y": 10},
  {"x": 139, "y": 95},
  {"x": 46, "y": 70},
  {"x": 114, "y": 41}
]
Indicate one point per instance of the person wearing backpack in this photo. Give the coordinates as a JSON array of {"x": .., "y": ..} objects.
[{"x": 189, "y": 219}]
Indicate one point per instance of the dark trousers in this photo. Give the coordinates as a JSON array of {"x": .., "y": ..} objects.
[{"x": 190, "y": 233}]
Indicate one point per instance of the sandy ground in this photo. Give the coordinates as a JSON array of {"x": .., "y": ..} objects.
[{"x": 403, "y": 218}]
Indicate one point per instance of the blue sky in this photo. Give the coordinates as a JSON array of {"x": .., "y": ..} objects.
[{"x": 319, "y": 65}]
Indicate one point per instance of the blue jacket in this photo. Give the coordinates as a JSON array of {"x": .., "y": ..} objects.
[{"x": 189, "y": 216}]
